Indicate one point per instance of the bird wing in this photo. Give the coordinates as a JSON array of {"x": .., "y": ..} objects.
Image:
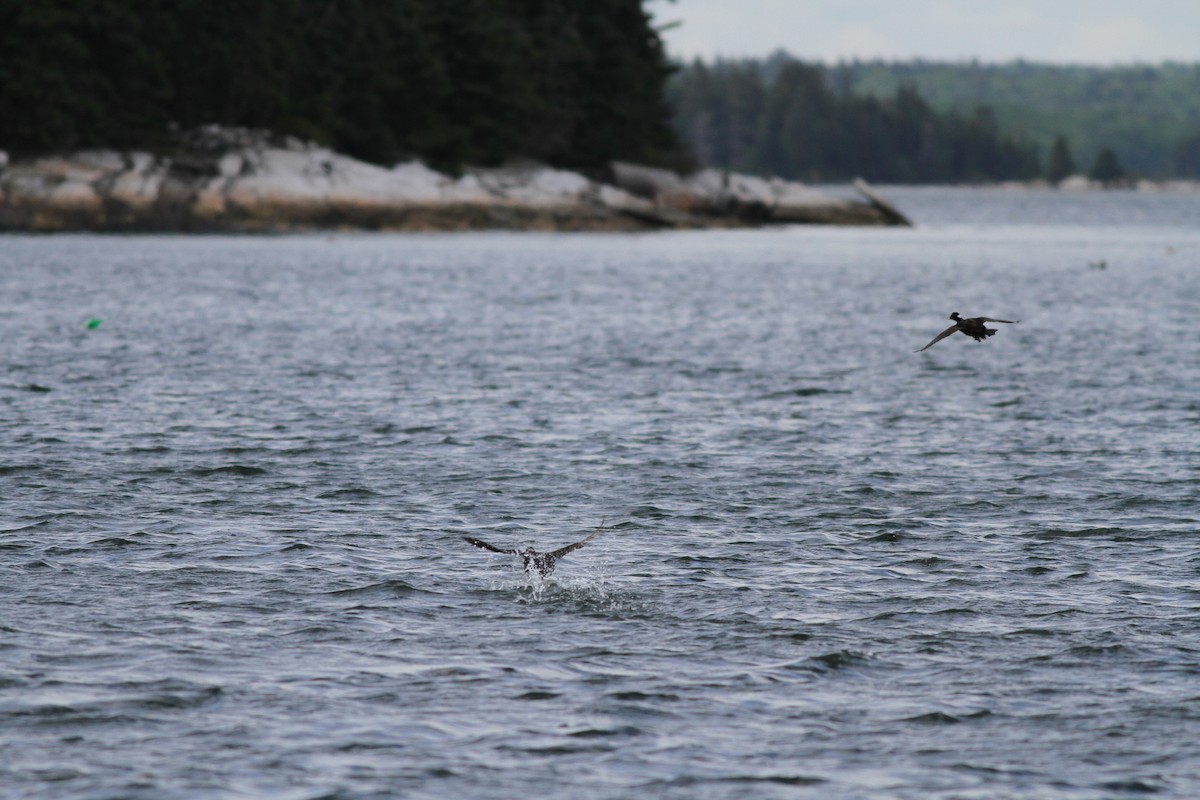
[
  {"x": 485, "y": 546},
  {"x": 939, "y": 337},
  {"x": 990, "y": 319},
  {"x": 562, "y": 551}
]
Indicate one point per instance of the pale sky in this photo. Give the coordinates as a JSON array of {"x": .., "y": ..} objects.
[{"x": 1057, "y": 31}]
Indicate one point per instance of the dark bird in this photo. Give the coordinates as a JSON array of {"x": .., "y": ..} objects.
[
  {"x": 541, "y": 563},
  {"x": 972, "y": 327}
]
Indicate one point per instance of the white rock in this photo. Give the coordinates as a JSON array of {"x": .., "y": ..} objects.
[
  {"x": 419, "y": 183},
  {"x": 533, "y": 185},
  {"x": 718, "y": 186},
  {"x": 65, "y": 168},
  {"x": 466, "y": 189},
  {"x": 722, "y": 185},
  {"x": 101, "y": 160},
  {"x": 23, "y": 184},
  {"x": 230, "y": 165},
  {"x": 612, "y": 197},
  {"x": 646, "y": 181},
  {"x": 74, "y": 195},
  {"x": 1075, "y": 183},
  {"x": 277, "y": 177},
  {"x": 139, "y": 185},
  {"x": 790, "y": 193}
]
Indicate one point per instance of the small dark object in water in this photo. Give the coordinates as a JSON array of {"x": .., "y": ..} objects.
[
  {"x": 541, "y": 563},
  {"x": 971, "y": 326}
]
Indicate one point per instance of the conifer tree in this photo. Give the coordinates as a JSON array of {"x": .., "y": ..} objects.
[
  {"x": 1061, "y": 164},
  {"x": 1106, "y": 168},
  {"x": 457, "y": 82}
]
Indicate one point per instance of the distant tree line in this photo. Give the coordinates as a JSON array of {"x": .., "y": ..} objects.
[
  {"x": 571, "y": 82},
  {"x": 1148, "y": 115},
  {"x": 788, "y": 121}
]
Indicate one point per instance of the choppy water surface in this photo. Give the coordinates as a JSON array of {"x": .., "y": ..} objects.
[{"x": 231, "y": 515}]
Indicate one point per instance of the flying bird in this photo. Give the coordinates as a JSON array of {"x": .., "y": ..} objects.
[
  {"x": 971, "y": 326},
  {"x": 541, "y": 563}
]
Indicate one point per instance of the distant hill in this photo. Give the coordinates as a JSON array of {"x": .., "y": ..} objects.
[
  {"x": 922, "y": 121},
  {"x": 782, "y": 117},
  {"x": 1142, "y": 112}
]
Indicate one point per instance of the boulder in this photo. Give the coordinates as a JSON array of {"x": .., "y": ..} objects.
[{"x": 728, "y": 197}]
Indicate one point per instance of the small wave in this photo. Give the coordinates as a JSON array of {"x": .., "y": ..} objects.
[
  {"x": 1130, "y": 787},
  {"x": 1074, "y": 533},
  {"x": 355, "y": 493},
  {"x": 115, "y": 542},
  {"x": 650, "y": 512},
  {"x": 39, "y": 524},
  {"x": 243, "y": 470},
  {"x": 392, "y": 588},
  {"x": 804, "y": 391},
  {"x": 696, "y": 780},
  {"x": 40, "y": 563},
  {"x": 145, "y": 449},
  {"x": 236, "y": 450},
  {"x": 942, "y": 718},
  {"x": 557, "y": 750},
  {"x": 636, "y": 696},
  {"x": 1049, "y": 632},
  {"x": 836, "y": 661},
  {"x": 125, "y": 710},
  {"x": 599, "y": 733},
  {"x": 1090, "y": 651},
  {"x": 192, "y": 698},
  {"x": 12, "y": 469}
]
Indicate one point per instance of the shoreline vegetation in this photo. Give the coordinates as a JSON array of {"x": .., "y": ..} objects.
[
  {"x": 557, "y": 115},
  {"x": 225, "y": 179}
]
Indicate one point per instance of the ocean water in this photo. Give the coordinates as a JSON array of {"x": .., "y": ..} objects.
[{"x": 236, "y": 474}]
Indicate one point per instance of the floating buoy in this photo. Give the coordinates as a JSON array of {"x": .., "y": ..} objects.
[{"x": 92, "y": 323}]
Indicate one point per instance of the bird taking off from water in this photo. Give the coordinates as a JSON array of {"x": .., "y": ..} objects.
[
  {"x": 541, "y": 563},
  {"x": 972, "y": 327}
]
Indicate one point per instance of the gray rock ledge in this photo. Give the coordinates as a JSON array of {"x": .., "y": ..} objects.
[{"x": 231, "y": 179}]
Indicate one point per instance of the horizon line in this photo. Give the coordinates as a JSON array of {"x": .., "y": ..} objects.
[{"x": 953, "y": 61}]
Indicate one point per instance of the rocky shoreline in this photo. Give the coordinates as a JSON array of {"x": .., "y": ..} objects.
[{"x": 238, "y": 180}]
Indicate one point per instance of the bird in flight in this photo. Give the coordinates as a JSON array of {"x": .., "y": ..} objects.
[
  {"x": 971, "y": 326},
  {"x": 541, "y": 563}
]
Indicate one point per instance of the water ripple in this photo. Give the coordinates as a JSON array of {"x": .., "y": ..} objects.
[{"x": 233, "y": 560}]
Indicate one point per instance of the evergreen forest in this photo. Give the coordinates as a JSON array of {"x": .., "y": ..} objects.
[
  {"x": 1148, "y": 115},
  {"x": 789, "y": 122},
  {"x": 940, "y": 122},
  {"x": 575, "y": 83}
]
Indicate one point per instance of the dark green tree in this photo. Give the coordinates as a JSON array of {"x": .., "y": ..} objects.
[
  {"x": 1106, "y": 168},
  {"x": 803, "y": 129},
  {"x": 572, "y": 82},
  {"x": 1061, "y": 164},
  {"x": 721, "y": 107},
  {"x": 1186, "y": 158}
]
